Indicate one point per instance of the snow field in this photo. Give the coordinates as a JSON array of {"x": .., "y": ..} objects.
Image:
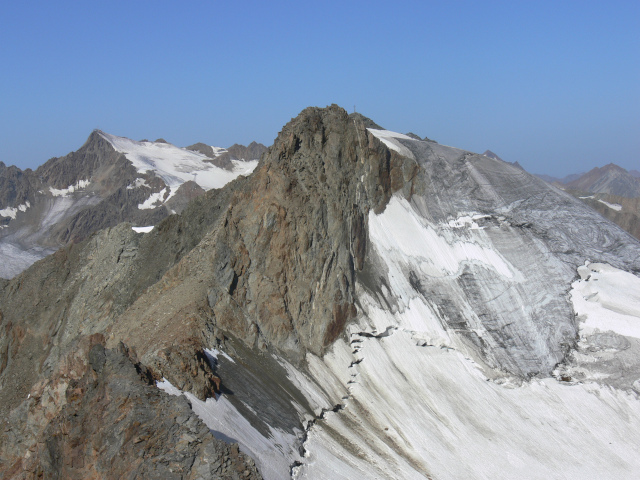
[{"x": 177, "y": 165}]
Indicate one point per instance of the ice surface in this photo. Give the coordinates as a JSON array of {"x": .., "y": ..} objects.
[
  {"x": 402, "y": 234},
  {"x": 177, "y": 165},
  {"x": 414, "y": 412},
  {"x": 418, "y": 401},
  {"x": 16, "y": 259}
]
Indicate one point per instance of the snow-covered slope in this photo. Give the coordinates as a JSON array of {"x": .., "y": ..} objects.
[{"x": 177, "y": 165}]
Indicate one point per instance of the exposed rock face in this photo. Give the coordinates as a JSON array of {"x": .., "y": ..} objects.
[
  {"x": 295, "y": 237},
  {"x": 106, "y": 419},
  {"x": 278, "y": 275}
]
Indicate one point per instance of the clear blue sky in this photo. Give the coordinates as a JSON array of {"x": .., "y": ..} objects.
[{"x": 554, "y": 85}]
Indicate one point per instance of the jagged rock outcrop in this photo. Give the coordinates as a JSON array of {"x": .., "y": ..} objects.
[
  {"x": 270, "y": 259},
  {"x": 105, "y": 418},
  {"x": 294, "y": 238}
]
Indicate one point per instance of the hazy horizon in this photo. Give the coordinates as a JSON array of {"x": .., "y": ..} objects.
[{"x": 553, "y": 86}]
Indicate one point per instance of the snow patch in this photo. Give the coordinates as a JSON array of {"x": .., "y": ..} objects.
[
  {"x": 176, "y": 165},
  {"x": 140, "y": 182},
  {"x": 142, "y": 229},
  {"x": 79, "y": 185},
  {"x": 614, "y": 206},
  {"x": 390, "y": 139},
  {"x": 214, "y": 352},
  {"x": 154, "y": 200},
  {"x": 607, "y": 298},
  {"x": 13, "y": 211}
]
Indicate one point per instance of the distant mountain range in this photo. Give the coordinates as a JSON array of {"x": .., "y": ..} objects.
[
  {"x": 109, "y": 180},
  {"x": 610, "y": 179}
]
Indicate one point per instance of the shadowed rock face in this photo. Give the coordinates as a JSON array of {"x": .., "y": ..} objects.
[{"x": 294, "y": 237}]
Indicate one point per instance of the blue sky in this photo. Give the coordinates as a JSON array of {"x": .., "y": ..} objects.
[{"x": 552, "y": 85}]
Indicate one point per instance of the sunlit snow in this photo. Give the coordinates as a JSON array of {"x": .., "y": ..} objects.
[
  {"x": 142, "y": 229},
  {"x": 389, "y": 138},
  {"x": 177, "y": 165},
  {"x": 606, "y": 298},
  {"x": 63, "y": 192},
  {"x": 13, "y": 211},
  {"x": 154, "y": 200}
]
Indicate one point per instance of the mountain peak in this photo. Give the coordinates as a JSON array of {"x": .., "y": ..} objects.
[{"x": 490, "y": 154}]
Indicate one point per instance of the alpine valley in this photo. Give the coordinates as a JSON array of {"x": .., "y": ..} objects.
[{"x": 364, "y": 304}]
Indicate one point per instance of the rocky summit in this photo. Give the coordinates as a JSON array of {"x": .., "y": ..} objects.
[{"x": 365, "y": 304}]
